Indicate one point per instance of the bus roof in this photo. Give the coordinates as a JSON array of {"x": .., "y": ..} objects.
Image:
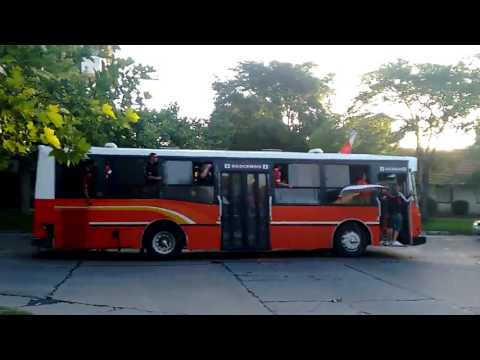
[{"x": 276, "y": 155}]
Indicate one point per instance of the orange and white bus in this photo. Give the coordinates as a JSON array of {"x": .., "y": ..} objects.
[{"x": 250, "y": 201}]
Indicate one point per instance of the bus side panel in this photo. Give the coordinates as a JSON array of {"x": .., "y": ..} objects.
[
  {"x": 111, "y": 237},
  {"x": 313, "y": 227},
  {"x": 301, "y": 236},
  {"x": 203, "y": 237},
  {"x": 95, "y": 226},
  {"x": 324, "y": 213},
  {"x": 375, "y": 234},
  {"x": 44, "y": 214},
  {"x": 416, "y": 220},
  {"x": 71, "y": 231}
]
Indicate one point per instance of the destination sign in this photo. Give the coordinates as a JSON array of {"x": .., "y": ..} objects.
[
  {"x": 392, "y": 169},
  {"x": 244, "y": 166}
]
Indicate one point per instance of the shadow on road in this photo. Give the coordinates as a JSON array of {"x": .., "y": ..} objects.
[{"x": 93, "y": 255}]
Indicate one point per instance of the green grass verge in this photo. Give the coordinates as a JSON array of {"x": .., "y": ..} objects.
[
  {"x": 12, "y": 311},
  {"x": 15, "y": 221},
  {"x": 460, "y": 226}
]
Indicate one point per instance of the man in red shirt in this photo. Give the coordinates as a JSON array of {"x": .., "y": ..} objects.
[
  {"x": 277, "y": 177},
  {"x": 362, "y": 180},
  {"x": 364, "y": 197}
]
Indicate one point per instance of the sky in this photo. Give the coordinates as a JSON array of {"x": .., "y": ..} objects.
[{"x": 185, "y": 73}]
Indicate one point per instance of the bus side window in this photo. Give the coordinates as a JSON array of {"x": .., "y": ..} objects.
[
  {"x": 188, "y": 181},
  {"x": 337, "y": 176},
  {"x": 303, "y": 185},
  {"x": 74, "y": 182}
]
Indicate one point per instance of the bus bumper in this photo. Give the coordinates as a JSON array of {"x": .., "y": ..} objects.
[{"x": 419, "y": 240}]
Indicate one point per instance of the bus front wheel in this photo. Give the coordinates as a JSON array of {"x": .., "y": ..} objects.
[
  {"x": 163, "y": 242},
  {"x": 350, "y": 240}
]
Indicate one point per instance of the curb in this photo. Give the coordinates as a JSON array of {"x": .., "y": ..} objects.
[{"x": 437, "y": 233}]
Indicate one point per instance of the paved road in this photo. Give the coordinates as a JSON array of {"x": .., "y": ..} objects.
[{"x": 442, "y": 277}]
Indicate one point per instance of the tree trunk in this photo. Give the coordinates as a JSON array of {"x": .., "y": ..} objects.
[
  {"x": 25, "y": 175},
  {"x": 425, "y": 164}
]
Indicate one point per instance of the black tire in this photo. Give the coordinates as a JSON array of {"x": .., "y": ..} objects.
[
  {"x": 163, "y": 242},
  {"x": 350, "y": 240}
]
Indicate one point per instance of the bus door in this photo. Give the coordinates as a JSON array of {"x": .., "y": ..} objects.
[
  {"x": 399, "y": 175},
  {"x": 72, "y": 230},
  {"x": 245, "y": 208}
]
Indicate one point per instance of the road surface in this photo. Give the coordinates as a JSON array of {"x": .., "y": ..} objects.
[{"x": 441, "y": 277}]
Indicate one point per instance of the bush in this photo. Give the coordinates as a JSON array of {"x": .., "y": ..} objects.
[
  {"x": 460, "y": 207},
  {"x": 432, "y": 207}
]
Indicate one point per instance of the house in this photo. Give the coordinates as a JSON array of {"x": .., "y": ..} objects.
[{"x": 449, "y": 181}]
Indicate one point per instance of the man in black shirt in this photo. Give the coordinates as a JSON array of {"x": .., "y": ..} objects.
[
  {"x": 152, "y": 177},
  {"x": 205, "y": 176}
]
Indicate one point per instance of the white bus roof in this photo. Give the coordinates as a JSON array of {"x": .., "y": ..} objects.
[{"x": 278, "y": 155}]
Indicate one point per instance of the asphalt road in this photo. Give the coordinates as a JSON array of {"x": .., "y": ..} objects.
[{"x": 441, "y": 277}]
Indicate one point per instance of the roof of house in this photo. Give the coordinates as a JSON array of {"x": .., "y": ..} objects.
[{"x": 453, "y": 168}]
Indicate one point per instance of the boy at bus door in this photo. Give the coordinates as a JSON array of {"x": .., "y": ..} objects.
[{"x": 395, "y": 202}]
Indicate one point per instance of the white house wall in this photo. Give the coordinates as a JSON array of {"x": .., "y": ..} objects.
[{"x": 459, "y": 192}]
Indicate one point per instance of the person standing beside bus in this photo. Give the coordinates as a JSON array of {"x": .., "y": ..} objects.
[{"x": 396, "y": 202}]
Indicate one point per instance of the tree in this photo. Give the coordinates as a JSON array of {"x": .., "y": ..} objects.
[
  {"x": 430, "y": 98},
  {"x": 46, "y": 98},
  {"x": 282, "y": 92},
  {"x": 247, "y": 127},
  {"x": 329, "y": 136},
  {"x": 165, "y": 128},
  {"x": 374, "y": 134}
]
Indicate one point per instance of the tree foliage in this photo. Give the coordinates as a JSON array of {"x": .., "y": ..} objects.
[
  {"x": 165, "y": 128},
  {"x": 430, "y": 98},
  {"x": 374, "y": 134},
  {"x": 286, "y": 97},
  {"x": 45, "y": 98}
]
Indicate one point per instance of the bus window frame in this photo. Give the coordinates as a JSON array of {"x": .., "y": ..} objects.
[
  {"x": 370, "y": 176},
  {"x": 285, "y": 163},
  {"x": 192, "y": 160}
]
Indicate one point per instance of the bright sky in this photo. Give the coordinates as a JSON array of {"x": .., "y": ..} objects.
[{"x": 185, "y": 73}]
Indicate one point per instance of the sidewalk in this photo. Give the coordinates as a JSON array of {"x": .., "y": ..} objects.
[{"x": 15, "y": 242}]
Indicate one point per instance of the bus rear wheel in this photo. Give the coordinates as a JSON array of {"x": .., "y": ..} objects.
[
  {"x": 163, "y": 243},
  {"x": 350, "y": 240}
]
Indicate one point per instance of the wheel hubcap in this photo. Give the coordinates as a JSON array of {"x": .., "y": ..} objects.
[
  {"x": 163, "y": 242},
  {"x": 351, "y": 241}
]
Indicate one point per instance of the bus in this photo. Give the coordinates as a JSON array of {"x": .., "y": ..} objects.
[{"x": 250, "y": 201}]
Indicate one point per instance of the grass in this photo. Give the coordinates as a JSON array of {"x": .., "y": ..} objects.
[
  {"x": 12, "y": 311},
  {"x": 15, "y": 221},
  {"x": 460, "y": 226}
]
